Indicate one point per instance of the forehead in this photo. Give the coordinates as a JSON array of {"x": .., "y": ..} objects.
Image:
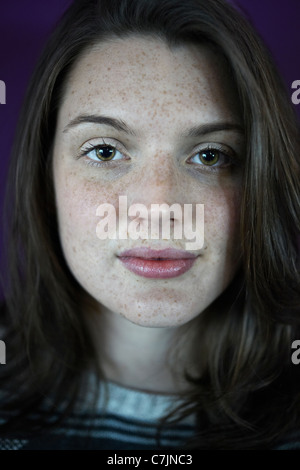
[{"x": 140, "y": 74}]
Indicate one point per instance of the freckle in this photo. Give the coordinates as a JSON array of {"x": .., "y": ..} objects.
[{"x": 90, "y": 81}]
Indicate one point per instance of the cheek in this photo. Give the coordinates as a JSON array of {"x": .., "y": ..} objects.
[
  {"x": 222, "y": 224},
  {"x": 222, "y": 213},
  {"x": 77, "y": 200}
]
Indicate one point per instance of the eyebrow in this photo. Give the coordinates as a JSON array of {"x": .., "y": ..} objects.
[
  {"x": 119, "y": 125},
  {"x": 210, "y": 128}
]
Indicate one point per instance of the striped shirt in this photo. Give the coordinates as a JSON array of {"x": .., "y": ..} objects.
[{"x": 124, "y": 419}]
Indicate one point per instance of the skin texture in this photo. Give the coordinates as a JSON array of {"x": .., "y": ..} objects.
[{"x": 159, "y": 92}]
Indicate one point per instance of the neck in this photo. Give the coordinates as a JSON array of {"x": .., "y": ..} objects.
[{"x": 144, "y": 358}]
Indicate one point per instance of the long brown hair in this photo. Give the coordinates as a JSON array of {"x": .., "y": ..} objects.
[{"x": 248, "y": 393}]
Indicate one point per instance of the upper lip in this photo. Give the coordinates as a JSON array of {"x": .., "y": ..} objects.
[{"x": 148, "y": 253}]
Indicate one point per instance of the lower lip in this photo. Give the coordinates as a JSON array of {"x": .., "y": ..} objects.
[{"x": 157, "y": 269}]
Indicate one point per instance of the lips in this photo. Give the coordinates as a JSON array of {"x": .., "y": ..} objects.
[{"x": 157, "y": 264}]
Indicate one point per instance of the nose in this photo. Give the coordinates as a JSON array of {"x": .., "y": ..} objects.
[
  {"x": 158, "y": 181},
  {"x": 158, "y": 189}
]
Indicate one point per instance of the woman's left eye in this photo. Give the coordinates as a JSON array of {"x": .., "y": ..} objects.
[
  {"x": 103, "y": 153},
  {"x": 211, "y": 157}
]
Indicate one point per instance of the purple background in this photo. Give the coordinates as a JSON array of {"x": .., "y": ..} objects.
[{"x": 25, "y": 26}]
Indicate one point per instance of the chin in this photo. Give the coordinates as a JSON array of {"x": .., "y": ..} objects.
[{"x": 158, "y": 319}]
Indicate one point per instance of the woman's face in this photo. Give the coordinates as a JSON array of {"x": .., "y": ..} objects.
[{"x": 156, "y": 126}]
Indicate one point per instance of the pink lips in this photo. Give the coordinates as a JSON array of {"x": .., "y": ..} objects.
[{"x": 157, "y": 264}]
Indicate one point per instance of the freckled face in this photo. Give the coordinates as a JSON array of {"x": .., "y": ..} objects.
[{"x": 166, "y": 152}]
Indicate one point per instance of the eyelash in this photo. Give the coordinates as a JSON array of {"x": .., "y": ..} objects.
[
  {"x": 91, "y": 147},
  {"x": 224, "y": 152}
]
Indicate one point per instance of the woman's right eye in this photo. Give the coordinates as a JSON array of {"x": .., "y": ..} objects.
[{"x": 102, "y": 153}]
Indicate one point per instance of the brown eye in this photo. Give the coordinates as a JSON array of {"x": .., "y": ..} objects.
[
  {"x": 101, "y": 153},
  {"x": 105, "y": 153},
  {"x": 209, "y": 157}
]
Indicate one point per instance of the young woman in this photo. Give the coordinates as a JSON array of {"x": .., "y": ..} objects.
[{"x": 130, "y": 342}]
